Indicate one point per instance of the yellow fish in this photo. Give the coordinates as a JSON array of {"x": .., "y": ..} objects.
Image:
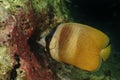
[{"x": 79, "y": 45}]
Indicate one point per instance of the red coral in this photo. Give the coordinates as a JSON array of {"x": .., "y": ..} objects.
[{"x": 25, "y": 25}]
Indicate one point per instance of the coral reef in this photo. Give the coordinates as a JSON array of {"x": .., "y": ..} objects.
[
  {"x": 17, "y": 25},
  {"x": 7, "y": 23},
  {"x": 21, "y": 24}
]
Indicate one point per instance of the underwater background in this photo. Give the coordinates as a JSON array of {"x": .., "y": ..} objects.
[
  {"x": 102, "y": 14},
  {"x": 105, "y": 16},
  {"x": 35, "y": 19}
]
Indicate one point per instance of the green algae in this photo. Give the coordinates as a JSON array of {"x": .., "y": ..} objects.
[
  {"x": 16, "y": 5},
  {"x": 6, "y": 63},
  {"x": 5, "y": 4},
  {"x": 57, "y": 6}
]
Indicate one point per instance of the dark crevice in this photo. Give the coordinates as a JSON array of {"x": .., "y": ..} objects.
[
  {"x": 38, "y": 50},
  {"x": 35, "y": 47},
  {"x": 14, "y": 72}
]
